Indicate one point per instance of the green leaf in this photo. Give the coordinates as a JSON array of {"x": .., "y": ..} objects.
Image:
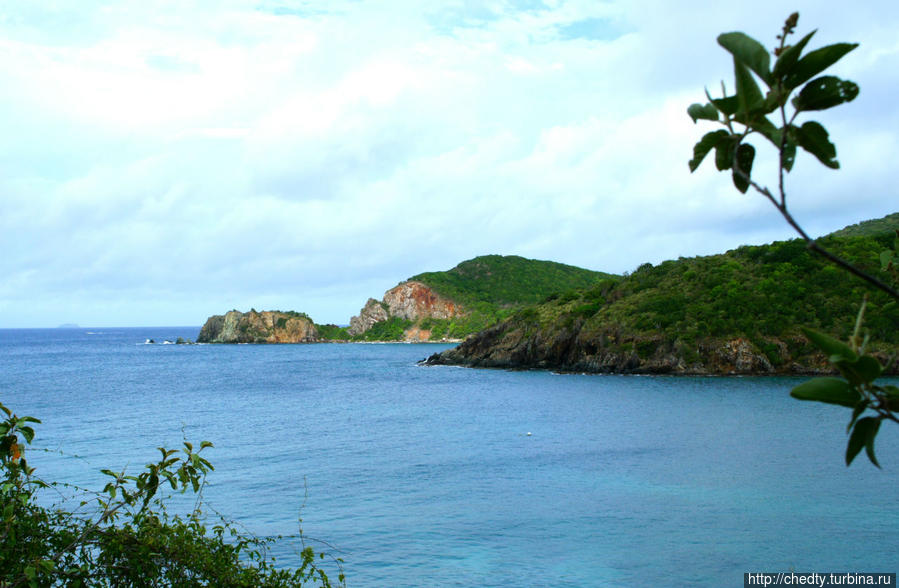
[
  {"x": 832, "y": 347},
  {"x": 825, "y": 92},
  {"x": 868, "y": 368},
  {"x": 863, "y": 436},
  {"x": 788, "y": 155},
  {"x": 724, "y": 152},
  {"x": 728, "y": 105},
  {"x": 28, "y": 433},
  {"x": 790, "y": 55},
  {"x": 815, "y": 62},
  {"x": 749, "y": 52},
  {"x": 702, "y": 111},
  {"x": 702, "y": 148},
  {"x": 745, "y": 157},
  {"x": 766, "y": 128},
  {"x": 774, "y": 99},
  {"x": 857, "y": 412},
  {"x": 892, "y": 397},
  {"x": 813, "y": 137},
  {"x": 749, "y": 96},
  {"x": 829, "y": 390},
  {"x": 869, "y": 443}
]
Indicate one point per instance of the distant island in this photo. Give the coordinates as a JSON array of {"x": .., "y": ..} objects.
[
  {"x": 737, "y": 312},
  {"x": 68, "y": 326}
]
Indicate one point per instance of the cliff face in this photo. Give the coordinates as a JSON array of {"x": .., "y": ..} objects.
[
  {"x": 373, "y": 312},
  {"x": 414, "y": 300},
  {"x": 410, "y": 300},
  {"x": 258, "y": 327},
  {"x": 518, "y": 345}
]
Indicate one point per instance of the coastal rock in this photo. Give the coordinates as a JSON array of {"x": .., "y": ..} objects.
[
  {"x": 414, "y": 300},
  {"x": 522, "y": 345},
  {"x": 410, "y": 300},
  {"x": 258, "y": 327},
  {"x": 373, "y": 312}
]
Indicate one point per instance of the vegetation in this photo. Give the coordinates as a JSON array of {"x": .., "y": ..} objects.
[
  {"x": 390, "y": 330},
  {"x": 123, "y": 535},
  {"x": 758, "y": 293},
  {"x": 793, "y": 90},
  {"x": 332, "y": 333},
  {"x": 752, "y": 291},
  {"x": 879, "y": 226},
  {"x": 492, "y": 281}
]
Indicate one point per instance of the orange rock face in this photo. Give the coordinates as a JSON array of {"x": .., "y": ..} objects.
[{"x": 414, "y": 300}]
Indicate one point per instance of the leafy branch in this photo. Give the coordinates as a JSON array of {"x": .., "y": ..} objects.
[
  {"x": 793, "y": 88},
  {"x": 130, "y": 539}
]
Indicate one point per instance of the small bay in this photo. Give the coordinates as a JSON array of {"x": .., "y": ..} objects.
[{"x": 458, "y": 477}]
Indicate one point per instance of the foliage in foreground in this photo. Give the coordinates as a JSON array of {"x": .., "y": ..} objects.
[
  {"x": 794, "y": 88},
  {"x": 123, "y": 535}
]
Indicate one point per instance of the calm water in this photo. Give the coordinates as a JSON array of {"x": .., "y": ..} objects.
[{"x": 427, "y": 476}]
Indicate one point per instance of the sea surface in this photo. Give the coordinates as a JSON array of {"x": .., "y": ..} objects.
[{"x": 442, "y": 476}]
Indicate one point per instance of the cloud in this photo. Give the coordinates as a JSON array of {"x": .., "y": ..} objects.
[{"x": 161, "y": 166}]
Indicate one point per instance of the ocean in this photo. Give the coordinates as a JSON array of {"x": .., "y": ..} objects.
[{"x": 445, "y": 476}]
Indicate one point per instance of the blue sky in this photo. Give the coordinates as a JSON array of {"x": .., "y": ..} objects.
[{"x": 164, "y": 161}]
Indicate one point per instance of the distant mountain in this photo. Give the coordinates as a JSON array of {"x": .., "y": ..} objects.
[
  {"x": 737, "y": 312},
  {"x": 475, "y": 294},
  {"x": 68, "y": 326}
]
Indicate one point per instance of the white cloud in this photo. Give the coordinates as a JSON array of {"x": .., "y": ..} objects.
[{"x": 161, "y": 165}]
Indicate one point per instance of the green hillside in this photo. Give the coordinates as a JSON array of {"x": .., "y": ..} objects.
[
  {"x": 507, "y": 280},
  {"x": 681, "y": 312},
  {"x": 490, "y": 287},
  {"x": 888, "y": 224}
]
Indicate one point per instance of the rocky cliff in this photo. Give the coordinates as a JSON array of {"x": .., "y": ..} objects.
[
  {"x": 258, "y": 327},
  {"x": 373, "y": 312},
  {"x": 517, "y": 344},
  {"x": 412, "y": 301}
]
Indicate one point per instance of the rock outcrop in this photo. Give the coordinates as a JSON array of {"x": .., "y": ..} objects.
[
  {"x": 258, "y": 327},
  {"x": 413, "y": 301},
  {"x": 373, "y": 312},
  {"x": 518, "y": 345}
]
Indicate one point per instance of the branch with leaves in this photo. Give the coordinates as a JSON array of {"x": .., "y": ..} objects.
[
  {"x": 794, "y": 88},
  {"x": 130, "y": 539}
]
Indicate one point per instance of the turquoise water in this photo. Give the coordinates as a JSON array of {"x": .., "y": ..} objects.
[{"x": 427, "y": 475}]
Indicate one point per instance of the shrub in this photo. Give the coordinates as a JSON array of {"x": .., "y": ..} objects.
[{"x": 129, "y": 538}]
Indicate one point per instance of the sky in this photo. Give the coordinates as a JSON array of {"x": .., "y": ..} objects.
[{"x": 164, "y": 161}]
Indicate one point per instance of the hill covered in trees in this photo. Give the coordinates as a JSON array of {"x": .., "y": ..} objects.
[
  {"x": 736, "y": 312},
  {"x": 465, "y": 299}
]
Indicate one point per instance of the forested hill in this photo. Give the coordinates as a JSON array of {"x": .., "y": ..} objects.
[
  {"x": 737, "y": 312},
  {"x": 452, "y": 304},
  {"x": 507, "y": 280}
]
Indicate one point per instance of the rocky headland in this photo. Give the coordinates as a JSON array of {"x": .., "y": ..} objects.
[
  {"x": 512, "y": 345},
  {"x": 258, "y": 327}
]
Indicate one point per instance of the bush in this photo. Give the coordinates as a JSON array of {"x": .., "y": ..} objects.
[{"x": 129, "y": 539}]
